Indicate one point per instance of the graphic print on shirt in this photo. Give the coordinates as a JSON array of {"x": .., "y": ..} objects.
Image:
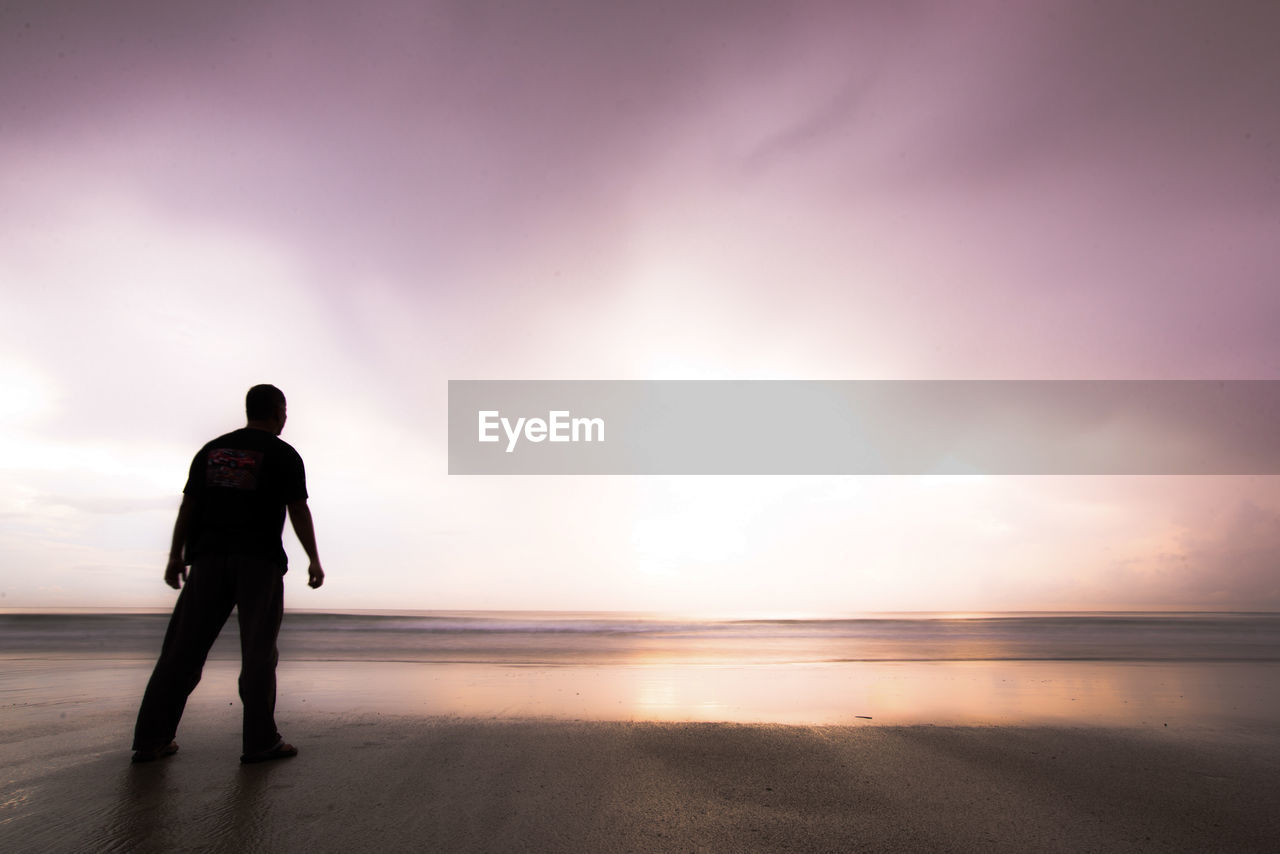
[{"x": 233, "y": 468}]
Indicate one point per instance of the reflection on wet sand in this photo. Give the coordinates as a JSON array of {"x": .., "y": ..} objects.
[
  {"x": 978, "y": 692},
  {"x": 1088, "y": 693},
  {"x": 1075, "y": 669}
]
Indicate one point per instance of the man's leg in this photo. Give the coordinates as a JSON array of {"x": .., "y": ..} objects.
[
  {"x": 202, "y": 608},
  {"x": 260, "y": 607}
]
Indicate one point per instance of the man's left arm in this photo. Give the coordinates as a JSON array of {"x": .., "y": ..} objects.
[{"x": 300, "y": 517}]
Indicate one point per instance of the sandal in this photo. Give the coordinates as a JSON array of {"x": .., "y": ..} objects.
[
  {"x": 280, "y": 751},
  {"x": 154, "y": 753}
]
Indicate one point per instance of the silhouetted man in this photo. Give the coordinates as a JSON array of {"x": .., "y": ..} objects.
[{"x": 228, "y": 531}]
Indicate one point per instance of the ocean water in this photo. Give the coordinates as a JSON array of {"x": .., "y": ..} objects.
[
  {"x": 1158, "y": 670},
  {"x": 603, "y": 638}
]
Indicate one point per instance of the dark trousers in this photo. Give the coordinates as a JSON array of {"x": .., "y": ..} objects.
[{"x": 255, "y": 588}]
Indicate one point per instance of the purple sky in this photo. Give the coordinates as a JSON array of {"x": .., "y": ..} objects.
[{"x": 360, "y": 202}]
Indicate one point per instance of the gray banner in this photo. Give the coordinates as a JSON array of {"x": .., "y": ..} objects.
[{"x": 864, "y": 427}]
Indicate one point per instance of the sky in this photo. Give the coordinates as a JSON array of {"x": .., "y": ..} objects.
[{"x": 361, "y": 202}]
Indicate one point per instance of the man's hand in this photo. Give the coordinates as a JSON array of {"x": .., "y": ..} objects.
[
  {"x": 175, "y": 574},
  {"x": 300, "y": 516}
]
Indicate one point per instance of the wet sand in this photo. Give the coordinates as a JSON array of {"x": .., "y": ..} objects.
[
  {"x": 648, "y": 753},
  {"x": 374, "y": 782}
]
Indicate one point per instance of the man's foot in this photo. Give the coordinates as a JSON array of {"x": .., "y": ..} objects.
[
  {"x": 154, "y": 753},
  {"x": 280, "y": 751}
]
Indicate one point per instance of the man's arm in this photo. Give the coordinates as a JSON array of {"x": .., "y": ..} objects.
[
  {"x": 175, "y": 574},
  {"x": 300, "y": 516}
]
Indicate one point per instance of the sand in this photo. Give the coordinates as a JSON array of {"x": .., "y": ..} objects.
[{"x": 374, "y": 782}]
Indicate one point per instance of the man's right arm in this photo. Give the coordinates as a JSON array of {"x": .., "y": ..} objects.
[{"x": 176, "y": 569}]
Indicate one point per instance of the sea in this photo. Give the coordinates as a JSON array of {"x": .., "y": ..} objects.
[{"x": 587, "y": 638}]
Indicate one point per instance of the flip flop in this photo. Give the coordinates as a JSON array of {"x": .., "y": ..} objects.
[
  {"x": 280, "y": 751},
  {"x": 154, "y": 753}
]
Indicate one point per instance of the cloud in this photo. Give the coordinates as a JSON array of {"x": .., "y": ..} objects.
[
  {"x": 1219, "y": 549},
  {"x": 1074, "y": 192},
  {"x": 1233, "y": 561},
  {"x": 409, "y": 192}
]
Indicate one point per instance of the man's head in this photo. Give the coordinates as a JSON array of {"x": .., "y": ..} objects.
[{"x": 264, "y": 407}]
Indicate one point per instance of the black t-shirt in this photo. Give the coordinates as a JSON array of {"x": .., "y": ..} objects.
[{"x": 240, "y": 484}]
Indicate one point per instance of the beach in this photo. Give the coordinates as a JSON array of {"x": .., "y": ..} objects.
[
  {"x": 402, "y": 783},
  {"x": 700, "y": 752}
]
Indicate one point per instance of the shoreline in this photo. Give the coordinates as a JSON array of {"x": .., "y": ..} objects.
[{"x": 651, "y": 752}]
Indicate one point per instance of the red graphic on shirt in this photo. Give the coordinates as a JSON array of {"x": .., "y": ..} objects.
[{"x": 233, "y": 468}]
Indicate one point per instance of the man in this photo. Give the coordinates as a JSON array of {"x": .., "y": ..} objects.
[{"x": 228, "y": 530}]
